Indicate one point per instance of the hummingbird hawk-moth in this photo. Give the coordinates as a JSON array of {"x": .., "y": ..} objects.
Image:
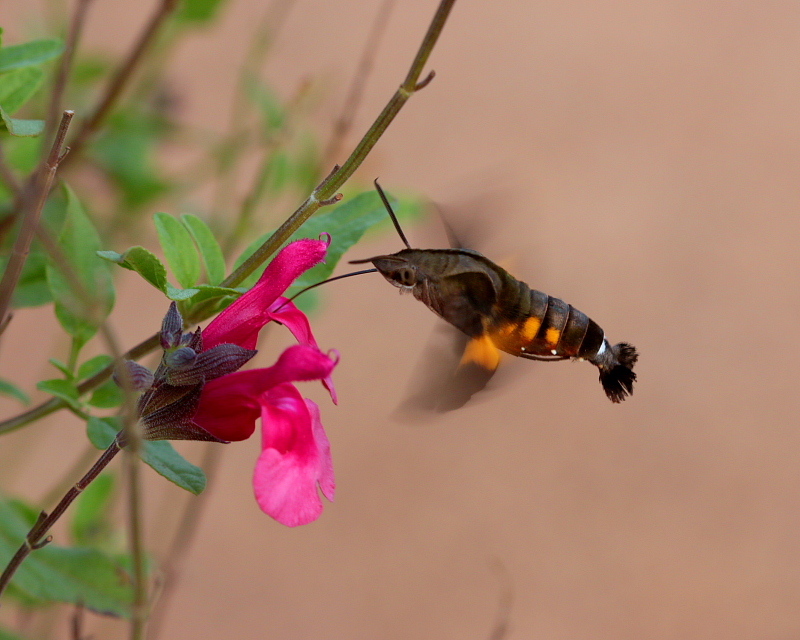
[{"x": 498, "y": 313}]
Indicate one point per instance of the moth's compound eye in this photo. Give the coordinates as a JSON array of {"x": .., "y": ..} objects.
[{"x": 405, "y": 277}]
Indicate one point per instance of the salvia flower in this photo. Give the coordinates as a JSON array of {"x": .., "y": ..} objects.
[{"x": 198, "y": 392}]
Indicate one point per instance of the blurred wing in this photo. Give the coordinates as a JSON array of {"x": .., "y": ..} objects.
[{"x": 445, "y": 379}]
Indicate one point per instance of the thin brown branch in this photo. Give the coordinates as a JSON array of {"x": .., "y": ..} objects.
[
  {"x": 347, "y": 115},
  {"x": 76, "y": 623},
  {"x": 42, "y": 181},
  {"x": 123, "y": 76},
  {"x": 37, "y": 537},
  {"x": 65, "y": 65}
]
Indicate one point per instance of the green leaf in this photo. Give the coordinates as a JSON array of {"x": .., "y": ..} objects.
[
  {"x": 5, "y": 634},
  {"x": 162, "y": 456},
  {"x": 179, "y": 249},
  {"x": 141, "y": 261},
  {"x": 272, "y": 111},
  {"x": 279, "y": 171},
  {"x": 208, "y": 246},
  {"x": 207, "y": 292},
  {"x": 90, "y": 523},
  {"x": 19, "y": 86},
  {"x": 29, "y": 54},
  {"x": 127, "y": 153},
  {"x": 32, "y": 290},
  {"x": 62, "y": 367},
  {"x": 64, "y": 389},
  {"x": 198, "y": 12},
  {"x": 21, "y": 128},
  {"x": 93, "y": 366},
  {"x": 77, "y": 576},
  {"x": 179, "y": 295},
  {"x": 79, "y": 243},
  {"x": 10, "y": 389},
  {"x": 102, "y": 431},
  {"x": 107, "y": 396}
]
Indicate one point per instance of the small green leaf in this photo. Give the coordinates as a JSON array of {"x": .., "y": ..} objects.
[
  {"x": 141, "y": 261},
  {"x": 178, "y": 295},
  {"x": 64, "y": 389},
  {"x": 5, "y": 634},
  {"x": 90, "y": 523},
  {"x": 29, "y": 54},
  {"x": 279, "y": 171},
  {"x": 272, "y": 111},
  {"x": 198, "y": 12},
  {"x": 78, "y": 576},
  {"x": 107, "y": 396},
  {"x": 62, "y": 367},
  {"x": 116, "y": 258},
  {"x": 21, "y": 128},
  {"x": 173, "y": 466},
  {"x": 208, "y": 246},
  {"x": 32, "y": 290},
  {"x": 93, "y": 366},
  {"x": 10, "y": 389},
  {"x": 208, "y": 292},
  {"x": 102, "y": 431},
  {"x": 179, "y": 249},
  {"x": 19, "y": 86},
  {"x": 79, "y": 243}
]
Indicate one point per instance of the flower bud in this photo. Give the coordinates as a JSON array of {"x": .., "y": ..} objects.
[
  {"x": 171, "y": 328},
  {"x": 180, "y": 359}
]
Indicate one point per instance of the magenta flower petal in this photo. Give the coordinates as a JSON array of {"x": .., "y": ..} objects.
[
  {"x": 285, "y": 312},
  {"x": 295, "y": 459},
  {"x": 241, "y": 322},
  {"x": 230, "y": 405}
]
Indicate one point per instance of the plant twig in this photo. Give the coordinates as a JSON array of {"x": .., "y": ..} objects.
[
  {"x": 344, "y": 122},
  {"x": 321, "y": 195},
  {"x": 43, "y": 180},
  {"x": 122, "y": 77},
  {"x": 37, "y": 537}
]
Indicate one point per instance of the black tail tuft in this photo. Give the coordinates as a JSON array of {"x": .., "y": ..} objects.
[{"x": 618, "y": 380}]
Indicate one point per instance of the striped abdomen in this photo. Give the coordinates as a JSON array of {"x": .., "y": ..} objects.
[{"x": 533, "y": 323}]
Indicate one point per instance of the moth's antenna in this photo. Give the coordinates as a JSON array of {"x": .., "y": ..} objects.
[
  {"x": 346, "y": 275},
  {"x": 391, "y": 214}
]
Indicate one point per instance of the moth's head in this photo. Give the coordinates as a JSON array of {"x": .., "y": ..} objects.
[{"x": 397, "y": 270}]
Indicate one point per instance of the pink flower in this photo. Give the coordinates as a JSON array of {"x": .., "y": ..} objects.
[{"x": 295, "y": 457}]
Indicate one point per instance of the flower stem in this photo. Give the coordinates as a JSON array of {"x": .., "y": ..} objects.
[
  {"x": 318, "y": 197},
  {"x": 37, "y": 537}
]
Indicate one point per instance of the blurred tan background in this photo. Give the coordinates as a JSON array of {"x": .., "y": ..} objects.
[{"x": 649, "y": 160}]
